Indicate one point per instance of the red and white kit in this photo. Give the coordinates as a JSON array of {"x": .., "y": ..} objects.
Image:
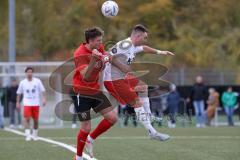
[
  {"x": 31, "y": 91},
  {"x": 118, "y": 84}
]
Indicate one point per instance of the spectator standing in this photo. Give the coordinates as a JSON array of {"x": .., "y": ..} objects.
[
  {"x": 12, "y": 97},
  {"x": 173, "y": 100},
  {"x": 213, "y": 103},
  {"x": 1, "y": 108},
  {"x": 229, "y": 100},
  {"x": 198, "y": 97}
]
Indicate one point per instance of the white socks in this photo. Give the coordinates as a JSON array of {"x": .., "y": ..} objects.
[
  {"x": 35, "y": 133},
  {"x": 146, "y": 104},
  {"x": 27, "y": 132},
  {"x": 78, "y": 157},
  {"x": 144, "y": 119},
  {"x": 90, "y": 139}
]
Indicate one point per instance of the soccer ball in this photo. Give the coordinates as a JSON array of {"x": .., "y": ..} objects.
[{"x": 110, "y": 9}]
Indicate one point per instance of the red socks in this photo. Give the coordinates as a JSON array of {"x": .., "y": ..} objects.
[
  {"x": 81, "y": 139},
  {"x": 102, "y": 127}
]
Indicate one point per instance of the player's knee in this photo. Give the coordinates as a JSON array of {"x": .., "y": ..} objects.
[
  {"x": 86, "y": 126},
  {"x": 112, "y": 117},
  {"x": 137, "y": 104}
]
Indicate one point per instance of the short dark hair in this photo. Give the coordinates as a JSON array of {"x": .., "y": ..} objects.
[
  {"x": 139, "y": 28},
  {"x": 29, "y": 68},
  {"x": 92, "y": 33}
]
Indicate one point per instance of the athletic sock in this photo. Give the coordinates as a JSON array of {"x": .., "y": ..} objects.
[
  {"x": 35, "y": 132},
  {"x": 79, "y": 157},
  {"x": 27, "y": 132},
  {"x": 146, "y": 104},
  {"x": 102, "y": 127},
  {"x": 81, "y": 139},
  {"x": 143, "y": 118}
]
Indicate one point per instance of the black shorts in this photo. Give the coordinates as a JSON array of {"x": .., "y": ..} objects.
[{"x": 84, "y": 104}]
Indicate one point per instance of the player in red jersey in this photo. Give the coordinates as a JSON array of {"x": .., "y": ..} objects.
[{"x": 89, "y": 61}]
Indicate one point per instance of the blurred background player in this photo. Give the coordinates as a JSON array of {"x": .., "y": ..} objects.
[
  {"x": 89, "y": 63},
  {"x": 12, "y": 97},
  {"x": 32, "y": 90},
  {"x": 124, "y": 87}
]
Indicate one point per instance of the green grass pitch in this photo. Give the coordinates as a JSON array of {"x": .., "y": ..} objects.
[{"x": 221, "y": 143}]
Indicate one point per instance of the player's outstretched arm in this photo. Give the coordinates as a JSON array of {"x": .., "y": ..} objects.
[{"x": 156, "y": 51}]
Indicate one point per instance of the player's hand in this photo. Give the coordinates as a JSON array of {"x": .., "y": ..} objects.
[
  {"x": 18, "y": 106},
  {"x": 96, "y": 53},
  {"x": 168, "y": 53},
  {"x": 44, "y": 102}
]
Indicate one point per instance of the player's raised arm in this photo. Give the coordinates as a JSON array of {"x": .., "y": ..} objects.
[{"x": 148, "y": 49}]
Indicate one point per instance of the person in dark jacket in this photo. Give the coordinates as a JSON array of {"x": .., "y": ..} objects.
[
  {"x": 198, "y": 97},
  {"x": 12, "y": 97},
  {"x": 173, "y": 100},
  {"x": 1, "y": 108}
]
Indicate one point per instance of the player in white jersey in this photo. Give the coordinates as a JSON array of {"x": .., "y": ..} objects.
[
  {"x": 33, "y": 91},
  {"x": 124, "y": 87}
]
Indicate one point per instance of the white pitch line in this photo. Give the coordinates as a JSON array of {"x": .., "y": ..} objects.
[
  {"x": 137, "y": 138},
  {"x": 63, "y": 145}
]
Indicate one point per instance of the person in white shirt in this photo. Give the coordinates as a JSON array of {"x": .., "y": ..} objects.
[{"x": 33, "y": 93}]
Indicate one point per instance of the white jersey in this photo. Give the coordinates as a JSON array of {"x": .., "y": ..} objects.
[
  {"x": 125, "y": 52},
  {"x": 31, "y": 91}
]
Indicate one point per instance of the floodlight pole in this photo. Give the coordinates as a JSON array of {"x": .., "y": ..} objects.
[{"x": 11, "y": 44}]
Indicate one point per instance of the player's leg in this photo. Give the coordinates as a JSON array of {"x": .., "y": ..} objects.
[
  {"x": 121, "y": 90},
  {"x": 109, "y": 119},
  {"x": 142, "y": 89},
  {"x": 27, "y": 116},
  {"x": 143, "y": 111},
  {"x": 144, "y": 119},
  {"x": 82, "y": 138},
  {"x": 82, "y": 109},
  {"x": 35, "y": 117}
]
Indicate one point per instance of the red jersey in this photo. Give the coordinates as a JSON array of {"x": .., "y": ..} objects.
[{"x": 82, "y": 57}]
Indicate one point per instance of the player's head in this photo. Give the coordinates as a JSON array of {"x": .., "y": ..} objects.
[
  {"x": 14, "y": 82},
  {"x": 211, "y": 90},
  {"x": 29, "y": 72},
  {"x": 229, "y": 89},
  {"x": 199, "y": 79},
  {"x": 94, "y": 37},
  {"x": 139, "y": 35}
]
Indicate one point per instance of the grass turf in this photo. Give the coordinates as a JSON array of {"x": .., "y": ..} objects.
[{"x": 221, "y": 143}]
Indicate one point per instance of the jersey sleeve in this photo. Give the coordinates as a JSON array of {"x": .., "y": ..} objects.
[
  {"x": 138, "y": 49},
  {"x": 80, "y": 62},
  {"x": 20, "y": 88},
  {"x": 41, "y": 87}
]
